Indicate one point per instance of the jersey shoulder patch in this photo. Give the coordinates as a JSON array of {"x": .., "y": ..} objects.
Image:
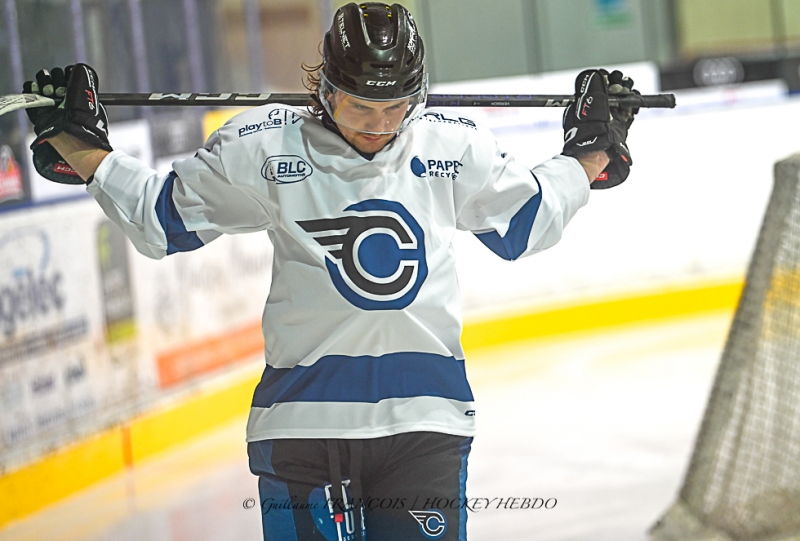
[
  {"x": 447, "y": 118},
  {"x": 264, "y": 119}
]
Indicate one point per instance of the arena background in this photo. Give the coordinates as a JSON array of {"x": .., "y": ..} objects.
[{"x": 108, "y": 358}]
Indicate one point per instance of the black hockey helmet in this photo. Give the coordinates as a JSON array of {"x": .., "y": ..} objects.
[{"x": 374, "y": 51}]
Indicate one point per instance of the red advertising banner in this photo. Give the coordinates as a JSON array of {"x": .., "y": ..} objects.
[
  {"x": 203, "y": 356},
  {"x": 11, "y": 186}
]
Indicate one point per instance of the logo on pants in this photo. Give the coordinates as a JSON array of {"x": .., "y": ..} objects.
[
  {"x": 432, "y": 523},
  {"x": 375, "y": 254},
  {"x": 334, "y": 517}
]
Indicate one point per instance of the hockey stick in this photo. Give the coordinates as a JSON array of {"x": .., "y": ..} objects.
[{"x": 14, "y": 102}]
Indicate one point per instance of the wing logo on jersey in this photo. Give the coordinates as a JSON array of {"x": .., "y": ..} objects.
[
  {"x": 375, "y": 254},
  {"x": 432, "y": 523}
]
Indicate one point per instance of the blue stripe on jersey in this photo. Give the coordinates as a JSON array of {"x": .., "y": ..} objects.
[
  {"x": 515, "y": 242},
  {"x": 338, "y": 378},
  {"x": 178, "y": 238}
]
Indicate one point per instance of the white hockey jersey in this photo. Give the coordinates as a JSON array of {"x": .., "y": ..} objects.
[{"x": 363, "y": 321}]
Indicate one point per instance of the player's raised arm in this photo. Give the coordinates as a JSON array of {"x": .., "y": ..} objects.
[
  {"x": 515, "y": 211},
  {"x": 160, "y": 213}
]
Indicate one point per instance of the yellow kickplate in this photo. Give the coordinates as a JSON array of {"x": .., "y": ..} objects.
[
  {"x": 604, "y": 313},
  {"x": 60, "y": 474},
  {"x": 159, "y": 430}
]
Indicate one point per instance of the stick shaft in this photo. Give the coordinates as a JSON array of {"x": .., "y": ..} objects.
[
  {"x": 434, "y": 100},
  {"x": 13, "y": 102}
]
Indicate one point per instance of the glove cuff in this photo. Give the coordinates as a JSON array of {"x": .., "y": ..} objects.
[
  {"x": 615, "y": 172},
  {"x": 49, "y": 163}
]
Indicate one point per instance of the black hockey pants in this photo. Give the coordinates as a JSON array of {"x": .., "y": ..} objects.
[{"x": 396, "y": 488}]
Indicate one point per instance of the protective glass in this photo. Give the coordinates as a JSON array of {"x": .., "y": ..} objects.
[{"x": 372, "y": 116}]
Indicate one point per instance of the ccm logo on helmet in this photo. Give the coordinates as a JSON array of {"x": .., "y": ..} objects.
[{"x": 381, "y": 83}]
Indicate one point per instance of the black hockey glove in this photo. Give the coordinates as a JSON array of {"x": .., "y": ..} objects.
[
  {"x": 591, "y": 125},
  {"x": 77, "y": 113}
]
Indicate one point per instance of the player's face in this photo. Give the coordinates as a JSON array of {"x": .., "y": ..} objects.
[{"x": 368, "y": 125}]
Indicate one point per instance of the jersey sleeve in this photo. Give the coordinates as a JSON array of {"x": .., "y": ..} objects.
[
  {"x": 180, "y": 211},
  {"x": 513, "y": 210}
]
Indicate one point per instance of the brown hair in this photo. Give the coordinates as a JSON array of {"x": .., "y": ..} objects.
[{"x": 311, "y": 82}]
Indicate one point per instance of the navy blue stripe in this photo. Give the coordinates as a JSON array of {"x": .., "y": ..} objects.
[
  {"x": 260, "y": 456},
  {"x": 277, "y": 522},
  {"x": 515, "y": 242},
  {"x": 178, "y": 238},
  {"x": 462, "y": 490},
  {"x": 338, "y": 378}
]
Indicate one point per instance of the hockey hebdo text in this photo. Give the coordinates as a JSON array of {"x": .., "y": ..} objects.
[{"x": 474, "y": 505}]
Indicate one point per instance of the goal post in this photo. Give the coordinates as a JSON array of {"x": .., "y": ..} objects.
[{"x": 743, "y": 480}]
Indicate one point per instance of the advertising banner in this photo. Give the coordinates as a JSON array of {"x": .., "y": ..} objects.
[
  {"x": 613, "y": 12},
  {"x": 91, "y": 332},
  {"x": 12, "y": 187},
  {"x": 53, "y": 367},
  {"x": 131, "y": 137},
  {"x": 199, "y": 311}
]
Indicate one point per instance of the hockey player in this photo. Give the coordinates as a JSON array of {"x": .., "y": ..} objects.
[{"x": 363, "y": 419}]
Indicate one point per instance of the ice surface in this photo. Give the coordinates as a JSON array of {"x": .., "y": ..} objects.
[{"x": 602, "y": 421}]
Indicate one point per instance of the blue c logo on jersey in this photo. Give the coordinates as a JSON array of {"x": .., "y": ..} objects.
[
  {"x": 432, "y": 523},
  {"x": 376, "y": 255}
]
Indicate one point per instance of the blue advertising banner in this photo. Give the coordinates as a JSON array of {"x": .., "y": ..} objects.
[{"x": 613, "y": 12}]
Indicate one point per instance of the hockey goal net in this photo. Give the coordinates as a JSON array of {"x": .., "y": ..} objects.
[{"x": 743, "y": 481}]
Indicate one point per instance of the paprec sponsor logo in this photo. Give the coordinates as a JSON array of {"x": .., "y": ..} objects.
[{"x": 436, "y": 168}]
